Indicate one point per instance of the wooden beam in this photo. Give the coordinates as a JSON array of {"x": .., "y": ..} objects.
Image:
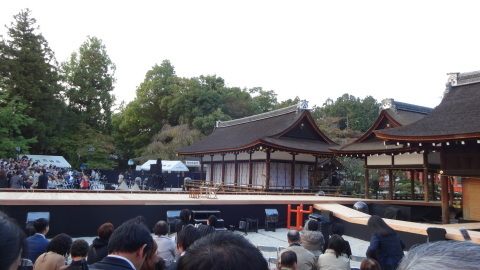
[
  {"x": 367, "y": 182},
  {"x": 432, "y": 178},
  {"x": 315, "y": 170},
  {"x": 292, "y": 176},
  {"x": 425, "y": 177},
  {"x": 445, "y": 207},
  {"x": 412, "y": 185},
  {"x": 390, "y": 184},
  {"x": 267, "y": 169},
  {"x": 211, "y": 168},
  {"x": 236, "y": 170},
  {"x": 201, "y": 168},
  {"x": 250, "y": 170},
  {"x": 223, "y": 169}
]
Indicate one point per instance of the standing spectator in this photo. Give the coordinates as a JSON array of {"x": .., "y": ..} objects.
[
  {"x": 166, "y": 247},
  {"x": 305, "y": 259},
  {"x": 17, "y": 180},
  {"x": 127, "y": 247},
  {"x": 99, "y": 247},
  {"x": 84, "y": 184},
  {"x": 312, "y": 238},
  {"x": 185, "y": 216},
  {"x": 385, "y": 245},
  {"x": 334, "y": 258},
  {"x": 78, "y": 252},
  {"x": 37, "y": 243},
  {"x": 3, "y": 179},
  {"x": 42, "y": 180},
  {"x": 56, "y": 252},
  {"x": 11, "y": 243},
  {"x": 210, "y": 227}
]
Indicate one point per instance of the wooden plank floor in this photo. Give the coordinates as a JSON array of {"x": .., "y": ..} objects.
[{"x": 357, "y": 217}]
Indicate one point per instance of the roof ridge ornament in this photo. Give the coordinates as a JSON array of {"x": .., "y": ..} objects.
[
  {"x": 388, "y": 103},
  {"x": 303, "y": 105}
]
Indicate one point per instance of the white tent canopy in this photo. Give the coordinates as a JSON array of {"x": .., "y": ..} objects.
[
  {"x": 58, "y": 161},
  {"x": 167, "y": 166}
]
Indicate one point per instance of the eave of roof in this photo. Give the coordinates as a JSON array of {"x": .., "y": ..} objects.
[{"x": 457, "y": 117}]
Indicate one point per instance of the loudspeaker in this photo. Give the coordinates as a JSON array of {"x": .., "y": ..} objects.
[{"x": 159, "y": 166}]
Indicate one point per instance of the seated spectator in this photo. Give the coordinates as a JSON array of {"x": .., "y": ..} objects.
[
  {"x": 37, "y": 243},
  {"x": 333, "y": 258},
  {"x": 305, "y": 259},
  {"x": 11, "y": 243},
  {"x": 370, "y": 264},
  {"x": 210, "y": 227},
  {"x": 56, "y": 252},
  {"x": 185, "y": 238},
  {"x": 78, "y": 252},
  {"x": 185, "y": 216},
  {"x": 312, "y": 238},
  {"x": 127, "y": 247},
  {"x": 99, "y": 247},
  {"x": 337, "y": 228},
  {"x": 152, "y": 260},
  {"x": 442, "y": 255},
  {"x": 167, "y": 248},
  {"x": 223, "y": 250},
  {"x": 288, "y": 261}
]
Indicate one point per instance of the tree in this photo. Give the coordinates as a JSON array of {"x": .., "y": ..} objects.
[
  {"x": 169, "y": 139},
  {"x": 89, "y": 75},
  {"x": 264, "y": 100},
  {"x": 29, "y": 76},
  {"x": 12, "y": 117}
]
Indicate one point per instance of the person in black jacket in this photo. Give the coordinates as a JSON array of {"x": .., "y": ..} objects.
[
  {"x": 42, "y": 180},
  {"x": 99, "y": 247},
  {"x": 185, "y": 217}
]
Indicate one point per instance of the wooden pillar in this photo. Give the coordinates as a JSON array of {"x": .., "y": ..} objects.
[
  {"x": 367, "y": 182},
  {"x": 201, "y": 168},
  {"x": 250, "y": 170},
  {"x": 444, "y": 185},
  {"x": 236, "y": 170},
  {"x": 390, "y": 184},
  {"x": 315, "y": 170},
  {"x": 451, "y": 191},
  {"x": 425, "y": 177},
  {"x": 445, "y": 200},
  {"x": 432, "y": 179},
  {"x": 223, "y": 169},
  {"x": 412, "y": 185},
  {"x": 292, "y": 169},
  {"x": 211, "y": 168},
  {"x": 267, "y": 170}
]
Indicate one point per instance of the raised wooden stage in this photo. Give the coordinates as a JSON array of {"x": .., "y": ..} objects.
[{"x": 79, "y": 213}]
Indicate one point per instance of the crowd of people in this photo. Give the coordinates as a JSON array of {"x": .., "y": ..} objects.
[
  {"x": 202, "y": 247},
  {"x": 25, "y": 173}
]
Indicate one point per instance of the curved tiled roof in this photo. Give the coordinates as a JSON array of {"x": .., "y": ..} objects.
[
  {"x": 267, "y": 129},
  {"x": 457, "y": 116},
  {"x": 394, "y": 114}
]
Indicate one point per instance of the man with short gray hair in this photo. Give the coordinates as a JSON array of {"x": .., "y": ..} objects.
[
  {"x": 442, "y": 255},
  {"x": 305, "y": 259}
]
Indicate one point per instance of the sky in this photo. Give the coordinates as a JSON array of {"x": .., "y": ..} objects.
[{"x": 311, "y": 49}]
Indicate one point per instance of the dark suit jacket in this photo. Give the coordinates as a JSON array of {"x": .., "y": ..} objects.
[
  {"x": 42, "y": 181},
  {"x": 110, "y": 263},
  {"x": 35, "y": 245}
]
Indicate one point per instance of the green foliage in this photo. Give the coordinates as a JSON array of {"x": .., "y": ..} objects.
[
  {"x": 264, "y": 101},
  {"x": 168, "y": 139},
  {"x": 89, "y": 146},
  {"x": 29, "y": 75},
  {"x": 12, "y": 117},
  {"x": 206, "y": 123},
  {"x": 89, "y": 75}
]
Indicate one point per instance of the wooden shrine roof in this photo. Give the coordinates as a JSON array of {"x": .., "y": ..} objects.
[
  {"x": 393, "y": 114},
  {"x": 457, "y": 117},
  {"x": 288, "y": 129}
]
